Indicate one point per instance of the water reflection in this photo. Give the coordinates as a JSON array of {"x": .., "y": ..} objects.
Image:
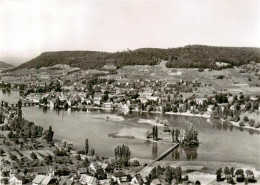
[
  {"x": 224, "y": 125},
  {"x": 176, "y": 154},
  {"x": 241, "y": 129},
  {"x": 191, "y": 152},
  {"x": 155, "y": 150},
  {"x": 231, "y": 128},
  {"x": 45, "y": 110}
]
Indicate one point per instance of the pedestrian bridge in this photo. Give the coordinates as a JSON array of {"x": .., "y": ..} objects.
[
  {"x": 164, "y": 154},
  {"x": 24, "y": 104}
]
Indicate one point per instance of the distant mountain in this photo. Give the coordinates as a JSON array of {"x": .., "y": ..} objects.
[
  {"x": 5, "y": 65},
  {"x": 192, "y": 56}
]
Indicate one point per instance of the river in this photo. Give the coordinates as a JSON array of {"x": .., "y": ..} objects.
[{"x": 219, "y": 142}]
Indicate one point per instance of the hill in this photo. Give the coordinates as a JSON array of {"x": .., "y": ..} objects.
[
  {"x": 194, "y": 56},
  {"x": 5, "y": 65}
]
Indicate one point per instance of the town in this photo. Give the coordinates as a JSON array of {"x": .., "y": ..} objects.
[
  {"x": 30, "y": 155},
  {"x": 129, "y": 92}
]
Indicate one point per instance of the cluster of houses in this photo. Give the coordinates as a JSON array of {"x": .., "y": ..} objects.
[
  {"x": 45, "y": 175},
  {"x": 135, "y": 95}
]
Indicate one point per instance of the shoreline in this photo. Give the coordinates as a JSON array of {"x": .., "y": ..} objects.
[
  {"x": 211, "y": 166},
  {"x": 176, "y": 113},
  {"x": 236, "y": 124}
]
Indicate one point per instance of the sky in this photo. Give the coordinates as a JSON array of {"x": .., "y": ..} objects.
[{"x": 30, "y": 27}]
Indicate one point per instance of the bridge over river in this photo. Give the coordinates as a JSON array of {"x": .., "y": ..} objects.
[
  {"x": 164, "y": 154},
  {"x": 24, "y": 103}
]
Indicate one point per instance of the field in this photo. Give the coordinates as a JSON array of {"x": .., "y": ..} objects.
[{"x": 226, "y": 80}]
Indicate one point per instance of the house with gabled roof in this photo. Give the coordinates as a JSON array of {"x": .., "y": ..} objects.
[
  {"x": 119, "y": 177},
  {"x": 66, "y": 180},
  {"x": 138, "y": 180},
  {"x": 43, "y": 180},
  {"x": 88, "y": 180},
  {"x": 16, "y": 180}
]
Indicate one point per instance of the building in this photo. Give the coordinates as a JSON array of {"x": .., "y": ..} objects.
[
  {"x": 108, "y": 105},
  {"x": 89, "y": 180},
  {"x": 82, "y": 171},
  {"x": 42, "y": 170},
  {"x": 138, "y": 179},
  {"x": 155, "y": 182},
  {"x": 43, "y": 180},
  {"x": 119, "y": 177},
  {"x": 16, "y": 180},
  {"x": 13, "y": 172},
  {"x": 97, "y": 99},
  {"x": 66, "y": 180}
]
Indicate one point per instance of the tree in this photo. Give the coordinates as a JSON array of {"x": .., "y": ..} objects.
[
  {"x": 235, "y": 98},
  {"x": 155, "y": 133},
  {"x": 49, "y": 135},
  {"x": 240, "y": 175},
  {"x": 226, "y": 171},
  {"x": 232, "y": 171},
  {"x": 2, "y": 118},
  {"x": 250, "y": 175},
  {"x": 86, "y": 147},
  {"x": 105, "y": 96},
  {"x": 178, "y": 174},
  {"x": 19, "y": 111},
  {"x": 251, "y": 122},
  {"x": 34, "y": 156},
  {"x": 48, "y": 159},
  {"x": 246, "y": 119},
  {"x": 190, "y": 136},
  {"x": 173, "y": 138},
  {"x": 10, "y": 135},
  {"x": 135, "y": 163},
  {"x": 1, "y": 152},
  {"x": 100, "y": 174},
  {"x": 29, "y": 133},
  {"x": 45, "y": 101},
  {"x": 85, "y": 163},
  {"x": 122, "y": 154},
  {"x": 40, "y": 129},
  {"x": 168, "y": 175},
  {"x": 177, "y": 133},
  {"x": 219, "y": 173},
  {"x": 231, "y": 181},
  {"x": 78, "y": 157}
]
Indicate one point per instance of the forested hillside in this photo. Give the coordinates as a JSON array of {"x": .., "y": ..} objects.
[
  {"x": 207, "y": 56},
  {"x": 194, "y": 56}
]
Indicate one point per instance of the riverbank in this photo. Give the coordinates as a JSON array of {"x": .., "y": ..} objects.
[
  {"x": 209, "y": 166},
  {"x": 150, "y": 122},
  {"x": 141, "y": 134},
  {"x": 236, "y": 124},
  {"x": 110, "y": 117},
  {"x": 189, "y": 114},
  {"x": 176, "y": 113}
]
